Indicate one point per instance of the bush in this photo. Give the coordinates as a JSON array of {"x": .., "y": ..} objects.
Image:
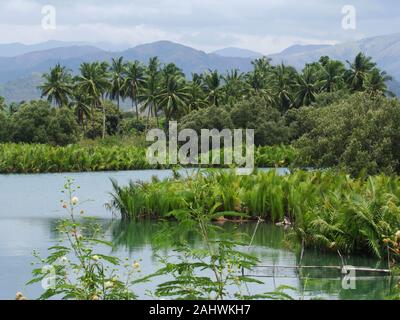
[
  {"x": 299, "y": 121},
  {"x": 63, "y": 128},
  {"x": 131, "y": 125},
  {"x": 38, "y": 122},
  {"x": 324, "y": 99},
  {"x": 357, "y": 134},
  {"x": 4, "y": 130},
  {"x": 208, "y": 118},
  {"x": 113, "y": 119},
  {"x": 267, "y": 122}
]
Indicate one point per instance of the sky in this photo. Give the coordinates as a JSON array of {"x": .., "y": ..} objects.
[{"x": 265, "y": 26}]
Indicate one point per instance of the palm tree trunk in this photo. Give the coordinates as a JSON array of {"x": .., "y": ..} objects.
[
  {"x": 92, "y": 120},
  {"x": 81, "y": 120},
  {"x": 134, "y": 104},
  {"x": 137, "y": 110},
  {"x": 148, "y": 119},
  {"x": 84, "y": 124},
  {"x": 104, "y": 120},
  {"x": 156, "y": 114}
]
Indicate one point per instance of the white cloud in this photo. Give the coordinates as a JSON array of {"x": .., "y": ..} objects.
[{"x": 265, "y": 26}]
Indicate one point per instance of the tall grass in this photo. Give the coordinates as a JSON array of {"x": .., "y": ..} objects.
[
  {"x": 24, "y": 158},
  {"x": 330, "y": 210},
  {"x": 33, "y": 158}
]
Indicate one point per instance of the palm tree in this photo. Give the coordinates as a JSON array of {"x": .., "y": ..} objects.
[
  {"x": 57, "y": 85},
  {"x": 257, "y": 79},
  {"x": 94, "y": 81},
  {"x": 196, "y": 96},
  {"x": 234, "y": 86},
  {"x": 171, "y": 70},
  {"x": 376, "y": 82},
  {"x": 134, "y": 80},
  {"x": 173, "y": 97},
  {"x": 259, "y": 85},
  {"x": 262, "y": 65},
  {"x": 212, "y": 82},
  {"x": 283, "y": 83},
  {"x": 117, "y": 71},
  {"x": 151, "y": 89},
  {"x": 80, "y": 103},
  {"x": 332, "y": 73},
  {"x": 358, "y": 72},
  {"x": 307, "y": 87}
]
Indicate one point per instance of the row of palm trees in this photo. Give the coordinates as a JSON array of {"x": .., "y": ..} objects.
[{"x": 163, "y": 89}]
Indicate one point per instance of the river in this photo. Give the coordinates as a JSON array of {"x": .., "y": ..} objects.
[{"x": 30, "y": 210}]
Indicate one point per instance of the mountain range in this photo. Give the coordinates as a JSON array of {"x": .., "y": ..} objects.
[
  {"x": 238, "y": 53},
  {"x": 21, "y": 65}
]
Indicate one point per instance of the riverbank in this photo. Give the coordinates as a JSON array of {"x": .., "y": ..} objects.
[{"x": 35, "y": 158}]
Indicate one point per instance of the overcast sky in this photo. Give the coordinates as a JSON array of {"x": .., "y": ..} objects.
[{"x": 266, "y": 26}]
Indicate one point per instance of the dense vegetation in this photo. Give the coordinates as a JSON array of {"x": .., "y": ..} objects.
[
  {"x": 25, "y": 158},
  {"x": 330, "y": 211},
  {"x": 361, "y": 133},
  {"x": 36, "y": 158},
  {"x": 315, "y": 109}
]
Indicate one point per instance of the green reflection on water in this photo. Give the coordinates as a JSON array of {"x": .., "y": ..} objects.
[{"x": 270, "y": 246}]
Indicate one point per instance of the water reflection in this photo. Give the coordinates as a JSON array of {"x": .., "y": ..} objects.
[
  {"x": 19, "y": 237},
  {"x": 268, "y": 246}
]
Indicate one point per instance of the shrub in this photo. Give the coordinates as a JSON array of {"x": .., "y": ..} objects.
[
  {"x": 324, "y": 99},
  {"x": 38, "y": 122},
  {"x": 113, "y": 120},
  {"x": 267, "y": 122},
  {"x": 4, "y": 130},
  {"x": 208, "y": 118},
  {"x": 299, "y": 121},
  {"x": 131, "y": 125},
  {"x": 357, "y": 134},
  {"x": 63, "y": 128}
]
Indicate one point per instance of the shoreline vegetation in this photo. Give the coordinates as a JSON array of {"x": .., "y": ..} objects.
[
  {"x": 35, "y": 158},
  {"x": 328, "y": 210}
]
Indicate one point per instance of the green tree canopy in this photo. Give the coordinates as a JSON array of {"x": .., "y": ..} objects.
[
  {"x": 38, "y": 122},
  {"x": 359, "y": 133}
]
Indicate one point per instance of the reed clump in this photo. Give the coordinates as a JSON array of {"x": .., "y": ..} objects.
[{"x": 328, "y": 210}]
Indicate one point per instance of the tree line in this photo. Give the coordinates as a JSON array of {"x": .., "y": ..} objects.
[
  {"x": 334, "y": 114},
  {"x": 159, "y": 89}
]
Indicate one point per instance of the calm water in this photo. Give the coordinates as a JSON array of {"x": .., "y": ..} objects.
[{"x": 29, "y": 213}]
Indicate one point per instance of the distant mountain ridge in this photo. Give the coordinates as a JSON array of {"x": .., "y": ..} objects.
[
  {"x": 298, "y": 48},
  {"x": 188, "y": 59},
  {"x": 385, "y": 51},
  {"x": 238, "y": 53},
  {"x": 16, "y": 49},
  {"x": 23, "y": 71}
]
